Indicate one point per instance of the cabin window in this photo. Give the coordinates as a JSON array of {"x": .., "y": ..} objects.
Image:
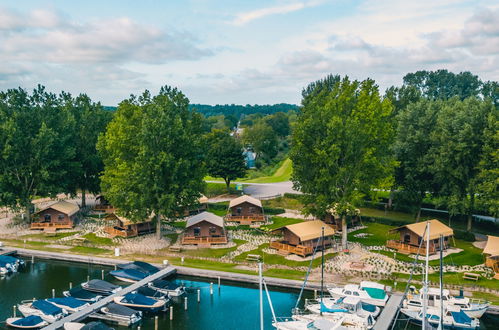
[
  {"x": 252, "y": 210},
  {"x": 197, "y": 231},
  {"x": 213, "y": 230},
  {"x": 239, "y": 210},
  {"x": 48, "y": 217},
  {"x": 407, "y": 238},
  {"x": 60, "y": 217}
]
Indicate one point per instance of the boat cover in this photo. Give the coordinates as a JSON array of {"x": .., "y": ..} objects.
[
  {"x": 140, "y": 266},
  {"x": 80, "y": 293},
  {"x": 162, "y": 284},
  {"x": 132, "y": 274},
  {"x": 148, "y": 292},
  {"x": 9, "y": 259},
  {"x": 368, "y": 307},
  {"x": 46, "y": 307},
  {"x": 375, "y": 293},
  {"x": 461, "y": 317},
  {"x": 67, "y": 301},
  {"x": 334, "y": 309},
  {"x": 100, "y": 285},
  {"x": 29, "y": 321},
  {"x": 114, "y": 308},
  {"x": 138, "y": 299},
  {"x": 95, "y": 326}
]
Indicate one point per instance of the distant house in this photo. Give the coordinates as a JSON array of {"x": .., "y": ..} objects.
[
  {"x": 245, "y": 210},
  {"x": 60, "y": 215},
  {"x": 491, "y": 252},
  {"x": 103, "y": 205},
  {"x": 123, "y": 227},
  {"x": 335, "y": 220},
  {"x": 302, "y": 238},
  {"x": 205, "y": 229},
  {"x": 202, "y": 205},
  {"x": 249, "y": 158},
  {"x": 411, "y": 236}
]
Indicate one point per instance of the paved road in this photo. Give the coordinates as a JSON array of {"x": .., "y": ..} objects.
[{"x": 262, "y": 190}]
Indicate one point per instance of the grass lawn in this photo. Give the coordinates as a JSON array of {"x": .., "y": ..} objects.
[
  {"x": 51, "y": 237},
  {"x": 380, "y": 233},
  {"x": 493, "y": 298},
  {"x": 392, "y": 215},
  {"x": 179, "y": 224},
  {"x": 283, "y": 202},
  {"x": 449, "y": 278},
  {"x": 213, "y": 253},
  {"x": 173, "y": 237},
  {"x": 215, "y": 189},
  {"x": 282, "y": 173},
  {"x": 280, "y": 222},
  {"x": 220, "y": 213},
  {"x": 96, "y": 240},
  {"x": 88, "y": 250}
]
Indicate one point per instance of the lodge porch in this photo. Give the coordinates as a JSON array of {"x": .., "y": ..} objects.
[
  {"x": 207, "y": 240},
  {"x": 406, "y": 248},
  {"x": 245, "y": 220},
  {"x": 51, "y": 225},
  {"x": 283, "y": 248}
]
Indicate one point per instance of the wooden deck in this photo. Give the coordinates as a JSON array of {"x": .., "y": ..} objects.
[
  {"x": 287, "y": 249},
  {"x": 407, "y": 248},
  {"x": 114, "y": 232},
  {"x": 245, "y": 220},
  {"x": 51, "y": 225},
  {"x": 204, "y": 240}
]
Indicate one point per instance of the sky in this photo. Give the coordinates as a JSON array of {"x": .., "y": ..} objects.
[{"x": 242, "y": 52}]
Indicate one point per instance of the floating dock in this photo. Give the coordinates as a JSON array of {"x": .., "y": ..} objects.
[
  {"x": 95, "y": 307},
  {"x": 387, "y": 316}
]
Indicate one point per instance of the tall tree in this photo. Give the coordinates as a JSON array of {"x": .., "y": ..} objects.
[
  {"x": 153, "y": 157},
  {"x": 458, "y": 139},
  {"x": 279, "y": 123},
  {"x": 340, "y": 145},
  {"x": 263, "y": 139},
  {"x": 224, "y": 157},
  {"x": 37, "y": 153}
]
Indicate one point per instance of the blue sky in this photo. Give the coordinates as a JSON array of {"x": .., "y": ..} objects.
[{"x": 239, "y": 52}]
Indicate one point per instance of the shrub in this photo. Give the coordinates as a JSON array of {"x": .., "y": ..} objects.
[
  {"x": 464, "y": 235},
  {"x": 273, "y": 211}
]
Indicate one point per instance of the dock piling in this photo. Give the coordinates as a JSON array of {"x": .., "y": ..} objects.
[
  {"x": 115, "y": 267},
  {"x": 102, "y": 274},
  {"x": 171, "y": 313},
  {"x": 88, "y": 278},
  {"x": 155, "y": 323},
  {"x": 211, "y": 288},
  {"x": 185, "y": 303},
  {"x": 32, "y": 259},
  {"x": 219, "y": 283},
  {"x": 315, "y": 293},
  {"x": 14, "y": 311},
  {"x": 53, "y": 293},
  {"x": 70, "y": 285},
  {"x": 199, "y": 295}
]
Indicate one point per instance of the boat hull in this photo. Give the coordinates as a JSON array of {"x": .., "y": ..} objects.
[{"x": 11, "y": 320}]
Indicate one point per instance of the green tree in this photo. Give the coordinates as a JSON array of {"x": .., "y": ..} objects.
[
  {"x": 458, "y": 139},
  {"x": 263, "y": 139},
  {"x": 340, "y": 147},
  {"x": 279, "y": 123},
  {"x": 224, "y": 157},
  {"x": 37, "y": 153},
  {"x": 153, "y": 159}
]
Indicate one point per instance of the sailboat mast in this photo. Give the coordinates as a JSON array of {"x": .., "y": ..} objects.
[
  {"x": 425, "y": 284},
  {"x": 322, "y": 271},
  {"x": 441, "y": 325},
  {"x": 260, "y": 277}
]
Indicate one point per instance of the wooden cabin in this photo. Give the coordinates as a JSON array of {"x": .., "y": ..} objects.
[
  {"x": 335, "y": 221},
  {"x": 412, "y": 234},
  {"x": 201, "y": 206},
  {"x": 60, "y": 215},
  {"x": 124, "y": 227},
  {"x": 246, "y": 210},
  {"x": 302, "y": 238},
  {"x": 491, "y": 252},
  {"x": 103, "y": 205},
  {"x": 205, "y": 229}
]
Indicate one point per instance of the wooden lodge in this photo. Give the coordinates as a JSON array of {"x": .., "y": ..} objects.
[
  {"x": 335, "y": 221},
  {"x": 204, "y": 229},
  {"x": 302, "y": 238},
  {"x": 103, "y": 205},
  {"x": 412, "y": 234},
  {"x": 491, "y": 252},
  {"x": 60, "y": 215},
  {"x": 120, "y": 226},
  {"x": 200, "y": 206},
  {"x": 246, "y": 210}
]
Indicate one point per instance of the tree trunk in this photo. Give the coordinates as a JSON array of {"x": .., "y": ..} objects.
[
  {"x": 158, "y": 227},
  {"x": 27, "y": 209},
  {"x": 470, "y": 221},
  {"x": 470, "y": 212},
  {"x": 418, "y": 215},
  {"x": 227, "y": 183},
  {"x": 83, "y": 199},
  {"x": 344, "y": 232},
  {"x": 390, "y": 199}
]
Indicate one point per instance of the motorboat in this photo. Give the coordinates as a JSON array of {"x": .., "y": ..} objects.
[
  {"x": 368, "y": 292},
  {"x": 15, "y": 263},
  {"x": 167, "y": 287},
  {"x": 5, "y": 268},
  {"x": 141, "y": 302},
  {"x": 89, "y": 326},
  {"x": 353, "y": 321},
  {"x": 102, "y": 287},
  {"x": 42, "y": 308},
  {"x": 29, "y": 322},
  {"x": 472, "y": 308},
  {"x": 122, "y": 313},
  {"x": 291, "y": 324},
  {"x": 82, "y": 294},
  {"x": 71, "y": 304},
  {"x": 349, "y": 305},
  {"x": 148, "y": 292},
  {"x": 141, "y": 266},
  {"x": 128, "y": 275},
  {"x": 451, "y": 319}
]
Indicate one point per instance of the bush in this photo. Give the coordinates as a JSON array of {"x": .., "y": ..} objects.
[
  {"x": 385, "y": 221},
  {"x": 464, "y": 235},
  {"x": 273, "y": 211}
]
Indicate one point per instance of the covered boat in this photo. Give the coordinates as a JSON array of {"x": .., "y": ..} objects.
[
  {"x": 82, "y": 294},
  {"x": 42, "y": 308},
  {"x": 123, "y": 313},
  {"x": 167, "y": 287},
  {"x": 353, "y": 321},
  {"x": 148, "y": 292},
  {"x": 342, "y": 305},
  {"x": 5, "y": 268},
  {"x": 141, "y": 302},
  {"x": 29, "y": 322},
  {"x": 128, "y": 275},
  {"x": 368, "y": 292},
  {"x": 100, "y": 286},
  {"x": 140, "y": 266},
  {"x": 70, "y": 304},
  {"x": 451, "y": 319},
  {"x": 14, "y": 262},
  {"x": 89, "y": 326}
]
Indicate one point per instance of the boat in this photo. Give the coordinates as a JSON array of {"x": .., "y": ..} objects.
[
  {"x": 141, "y": 302},
  {"x": 451, "y": 319},
  {"x": 29, "y": 322},
  {"x": 149, "y": 292},
  {"x": 128, "y": 275},
  {"x": 101, "y": 287},
  {"x": 141, "y": 266},
  {"x": 121, "y": 313},
  {"x": 89, "y": 326},
  {"x": 368, "y": 292},
  {"x": 167, "y": 287},
  {"x": 42, "y": 308},
  {"x": 82, "y": 294},
  {"x": 5, "y": 268},
  {"x": 290, "y": 324},
  {"x": 342, "y": 305},
  {"x": 71, "y": 304},
  {"x": 14, "y": 263},
  {"x": 353, "y": 321}
]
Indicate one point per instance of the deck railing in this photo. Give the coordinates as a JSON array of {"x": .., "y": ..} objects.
[
  {"x": 56, "y": 225},
  {"x": 204, "y": 240},
  {"x": 104, "y": 208},
  {"x": 113, "y": 232},
  {"x": 245, "y": 218},
  {"x": 408, "y": 248},
  {"x": 296, "y": 249}
]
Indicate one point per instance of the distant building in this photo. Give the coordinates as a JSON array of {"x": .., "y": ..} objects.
[
  {"x": 205, "y": 229},
  {"x": 123, "y": 227},
  {"x": 60, "y": 215},
  {"x": 491, "y": 252},
  {"x": 103, "y": 205},
  {"x": 245, "y": 210},
  {"x": 249, "y": 158}
]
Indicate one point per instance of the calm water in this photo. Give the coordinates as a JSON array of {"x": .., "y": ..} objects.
[{"x": 231, "y": 307}]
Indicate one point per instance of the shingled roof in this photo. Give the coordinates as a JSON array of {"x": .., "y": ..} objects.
[{"x": 245, "y": 199}]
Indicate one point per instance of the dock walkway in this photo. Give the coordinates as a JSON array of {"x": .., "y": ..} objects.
[
  {"x": 78, "y": 316},
  {"x": 388, "y": 314}
]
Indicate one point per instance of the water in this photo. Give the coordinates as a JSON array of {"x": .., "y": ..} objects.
[{"x": 231, "y": 307}]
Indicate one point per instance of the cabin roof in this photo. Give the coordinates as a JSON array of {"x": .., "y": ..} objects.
[
  {"x": 308, "y": 230},
  {"x": 492, "y": 246},
  {"x": 63, "y": 207},
  {"x": 205, "y": 216},
  {"x": 126, "y": 221},
  {"x": 245, "y": 199},
  {"x": 436, "y": 229},
  {"x": 203, "y": 199}
]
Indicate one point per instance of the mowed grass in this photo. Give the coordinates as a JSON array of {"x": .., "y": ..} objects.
[
  {"x": 283, "y": 173},
  {"x": 48, "y": 237},
  {"x": 392, "y": 215},
  {"x": 379, "y": 234},
  {"x": 96, "y": 240},
  {"x": 213, "y": 253},
  {"x": 283, "y": 202},
  {"x": 279, "y": 222}
]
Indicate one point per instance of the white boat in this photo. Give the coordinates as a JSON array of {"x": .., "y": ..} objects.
[
  {"x": 42, "y": 308},
  {"x": 341, "y": 305},
  {"x": 140, "y": 302},
  {"x": 122, "y": 313},
  {"x": 368, "y": 292},
  {"x": 291, "y": 324},
  {"x": 472, "y": 308},
  {"x": 72, "y": 305},
  {"x": 167, "y": 287},
  {"x": 451, "y": 319},
  {"x": 351, "y": 321},
  {"x": 29, "y": 322}
]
